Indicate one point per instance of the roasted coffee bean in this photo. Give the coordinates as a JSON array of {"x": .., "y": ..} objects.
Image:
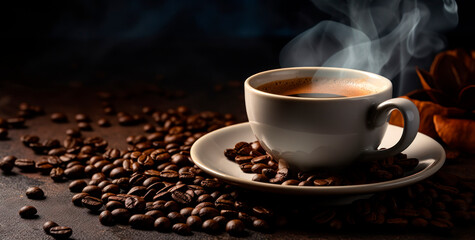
[
  {"x": 77, "y": 198},
  {"x": 6, "y": 166},
  {"x": 72, "y": 132},
  {"x": 235, "y": 227},
  {"x": 74, "y": 172},
  {"x": 208, "y": 212},
  {"x": 59, "y": 117},
  {"x": 121, "y": 215},
  {"x": 28, "y": 212},
  {"x": 61, "y": 232},
  {"x": 169, "y": 175},
  {"x": 84, "y": 126},
  {"x": 141, "y": 221},
  {"x": 77, "y": 185},
  {"x": 57, "y": 174},
  {"x": 135, "y": 204},
  {"x": 48, "y": 225},
  {"x": 262, "y": 212},
  {"x": 291, "y": 182},
  {"x": 3, "y": 133},
  {"x": 81, "y": 117},
  {"x": 243, "y": 159},
  {"x": 261, "y": 225},
  {"x": 103, "y": 122},
  {"x": 112, "y": 205},
  {"x": 106, "y": 218},
  {"x": 25, "y": 164},
  {"x": 194, "y": 222},
  {"x": 230, "y": 154},
  {"x": 210, "y": 226},
  {"x": 155, "y": 213},
  {"x": 181, "y": 228},
  {"x": 35, "y": 193},
  {"x": 176, "y": 217},
  {"x": 162, "y": 224},
  {"x": 17, "y": 122},
  {"x": 260, "y": 178},
  {"x": 92, "y": 190},
  {"x": 92, "y": 203}
]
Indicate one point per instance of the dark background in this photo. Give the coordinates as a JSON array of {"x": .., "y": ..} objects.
[{"x": 198, "y": 43}]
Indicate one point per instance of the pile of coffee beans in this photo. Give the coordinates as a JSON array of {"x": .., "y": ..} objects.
[
  {"x": 153, "y": 184},
  {"x": 252, "y": 158}
]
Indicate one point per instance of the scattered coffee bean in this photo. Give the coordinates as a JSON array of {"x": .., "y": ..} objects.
[
  {"x": 81, "y": 117},
  {"x": 77, "y": 185},
  {"x": 28, "y": 212},
  {"x": 35, "y": 193},
  {"x": 48, "y": 225},
  {"x": 59, "y": 117},
  {"x": 181, "y": 228},
  {"x": 61, "y": 232},
  {"x": 235, "y": 227},
  {"x": 106, "y": 218},
  {"x": 103, "y": 122},
  {"x": 3, "y": 133},
  {"x": 92, "y": 203},
  {"x": 141, "y": 221},
  {"x": 210, "y": 226},
  {"x": 162, "y": 224}
]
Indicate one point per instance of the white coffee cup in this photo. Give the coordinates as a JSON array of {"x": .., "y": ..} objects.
[{"x": 312, "y": 132}]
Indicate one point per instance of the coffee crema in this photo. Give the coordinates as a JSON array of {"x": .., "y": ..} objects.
[{"x": 318, "y": 88}]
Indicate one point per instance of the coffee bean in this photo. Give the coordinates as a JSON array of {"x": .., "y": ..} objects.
[
  {"x": 81, "y": 117},
  {"x": 48, "y": 225},
  {"x": 135, "y": 204},
  {"x": 84, "y": 126},
  {"x": 155, "y": 213},
  {"x": 176, "y": 217},
  {"x": 3, "y": 133},
  {"x": 61, "y": 232},
  {"x": 141, "y": 221},
  {"x": 59, "y": 117},
  {"x": 25, "y": 164},
  {"x": 57, "y": 174},
  {"x": 210, "y": 226},
  {"x": 194, "y": 222},
  {"x": 181, "y": 228},
  {"x": 103, "y": 122},
  {"x": 77, "y": 185},
  {"x": 6, "y": 166},
  {"x": 106, "y": 218},
  {"x": 35, "y": 193},
  {"x": 261, "y": 225},
  {"x": 74, "y": 172},
  {"x": 162, "y": 224},
  {"x": 77, "y": 198},
  {"x": 92, "y": 203},
  {"x": 235, "y": 227},
  {"x": 17, "y": 122},
  {"x": 92, "y": 190},
  {"x": 121, "y": 215},
  {"x": 260, "y": 178},
  {"x": 208, "y": 212},
  {"x": 28, "y": 212}
]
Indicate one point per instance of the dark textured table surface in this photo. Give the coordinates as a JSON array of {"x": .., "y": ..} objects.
[{"x": 71, "y": 99}]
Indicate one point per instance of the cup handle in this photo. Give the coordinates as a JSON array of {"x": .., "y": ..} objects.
[{"x": 379, "y": 117}]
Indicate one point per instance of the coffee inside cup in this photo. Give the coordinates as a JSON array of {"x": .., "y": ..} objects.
[{"x": 319, "y": 87}]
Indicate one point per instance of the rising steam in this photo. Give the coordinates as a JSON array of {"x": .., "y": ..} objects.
[{"x": 375, "y": 36}]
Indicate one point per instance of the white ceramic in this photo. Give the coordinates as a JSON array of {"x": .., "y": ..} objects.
[
  {"x": 326, "y": 132},
  {"x": 208, "y": 154}
]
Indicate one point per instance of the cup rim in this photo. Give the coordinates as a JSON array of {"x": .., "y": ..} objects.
[{"x": 387, "y": 83}]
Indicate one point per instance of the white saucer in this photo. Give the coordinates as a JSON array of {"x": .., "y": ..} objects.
[{"x": 208, "y": 154}]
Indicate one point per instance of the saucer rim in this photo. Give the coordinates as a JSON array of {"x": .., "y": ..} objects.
[{"x": 314, "y": 190}]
